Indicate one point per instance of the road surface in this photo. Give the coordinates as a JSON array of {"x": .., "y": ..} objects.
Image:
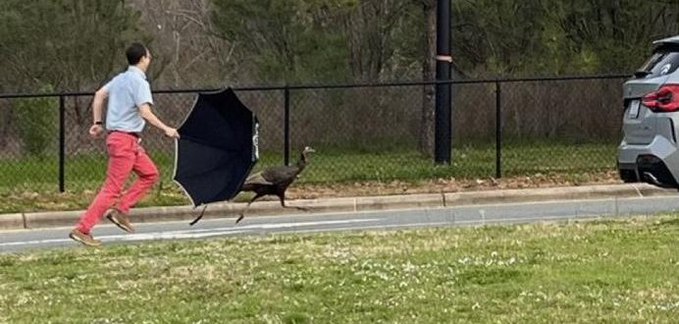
[{"x": 473, "y": 215}]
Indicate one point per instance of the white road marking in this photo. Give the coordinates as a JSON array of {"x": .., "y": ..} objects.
[
  {"x": 286, "y": 225},
  {"x": 34, "y": 242},
  {"x": 196, "y": 233},
  {"x": 369, "y": 227}
]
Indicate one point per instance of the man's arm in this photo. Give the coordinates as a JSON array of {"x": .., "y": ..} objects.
[
  {"x": 146, "y": 113},
  {"x": 98, "y": 104}
]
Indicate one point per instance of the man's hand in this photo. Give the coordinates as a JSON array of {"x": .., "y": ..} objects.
[
  {"x": 171, "y": 132},
  {"x": 96, "y": 131}
]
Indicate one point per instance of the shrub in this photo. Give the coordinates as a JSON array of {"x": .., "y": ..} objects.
[{"x": 37, "y": 122}]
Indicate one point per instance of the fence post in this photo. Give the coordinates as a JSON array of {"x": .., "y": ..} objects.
[
  {"x": 498, "y": 130},
  {"x": 62, "y": 143},
  {"x": 286, "y": 126},
  {"x": 443, "y": 121}
]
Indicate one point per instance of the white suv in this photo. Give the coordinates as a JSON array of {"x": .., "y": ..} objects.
[{"x": 649, "y": 149}]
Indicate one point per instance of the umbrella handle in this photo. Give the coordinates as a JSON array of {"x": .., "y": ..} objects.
[{"x": 199, "y": 216}]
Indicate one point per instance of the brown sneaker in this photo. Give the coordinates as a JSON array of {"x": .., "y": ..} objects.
[
  {"x": 120, "y": 219},
  {"x": 83, "y": 238}
]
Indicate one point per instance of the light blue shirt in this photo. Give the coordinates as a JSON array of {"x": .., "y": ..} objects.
[{"x": 127, "y": 92}]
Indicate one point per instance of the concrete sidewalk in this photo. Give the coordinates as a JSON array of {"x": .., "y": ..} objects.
[{"x": 263, "y": 208}]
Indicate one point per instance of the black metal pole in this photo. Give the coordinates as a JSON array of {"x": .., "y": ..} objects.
[
  {"x": 286, "y": 127},
  {"x": 498, "y": 130},
  {"x": 443, "y": 133},
  {"x": 62, "y": 144}
]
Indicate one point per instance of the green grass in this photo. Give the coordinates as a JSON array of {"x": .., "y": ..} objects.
[
  {"x": 332, "y": 165},
  {"x": 606, "y": 271},
  {"x": 467, "y": 162},
  {"x": 32, "y": 184}
]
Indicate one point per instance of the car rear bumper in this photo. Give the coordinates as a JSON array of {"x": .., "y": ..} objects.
[{"x": 656, "y": 163}]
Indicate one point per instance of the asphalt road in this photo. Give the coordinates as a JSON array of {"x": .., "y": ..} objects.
[{"x": 26, "y": 240}]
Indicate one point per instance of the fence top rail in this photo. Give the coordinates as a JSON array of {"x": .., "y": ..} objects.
[{"x": 335, "y": 86}]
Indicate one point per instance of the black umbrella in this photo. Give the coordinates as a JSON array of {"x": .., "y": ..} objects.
[{"x": 217, "y": 148}]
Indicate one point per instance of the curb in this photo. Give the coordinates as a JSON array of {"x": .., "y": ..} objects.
[{"x": 348, "y": 204}]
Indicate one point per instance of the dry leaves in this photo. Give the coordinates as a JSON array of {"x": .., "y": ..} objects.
[{"x": 311, "y": 191}]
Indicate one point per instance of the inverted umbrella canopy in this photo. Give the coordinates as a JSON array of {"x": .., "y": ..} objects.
[{"x": 217, "y": 148}]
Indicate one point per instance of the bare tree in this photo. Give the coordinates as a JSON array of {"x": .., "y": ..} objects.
[
  {"x": 370, "y": 34},
  {"x": 191, "y": 53},
  {"x": 426, "y": 139}
]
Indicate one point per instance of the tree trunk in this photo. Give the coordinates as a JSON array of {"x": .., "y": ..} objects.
[
  {"x": 5, "y": 117},
  {"x": 426, "y": 140}
]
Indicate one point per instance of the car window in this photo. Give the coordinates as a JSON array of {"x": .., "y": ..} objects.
[{"x": 662, "y": 62}]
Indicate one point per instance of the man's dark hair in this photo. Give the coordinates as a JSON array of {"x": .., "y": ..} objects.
[{"x": 135, "y": 52}]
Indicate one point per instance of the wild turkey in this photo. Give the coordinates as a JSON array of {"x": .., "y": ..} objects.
[
  {"x": 271, "y": 181},
  {"x": 275, "y": 181}
]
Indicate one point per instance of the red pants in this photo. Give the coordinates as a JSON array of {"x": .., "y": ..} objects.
[{"x": 125, "y": 155}]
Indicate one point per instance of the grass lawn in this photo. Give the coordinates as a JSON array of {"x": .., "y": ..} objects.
[
  {"x": 32, "y": 184},
  {"x": 608, "y": 271},
  {"x": 341, "y": 165}
]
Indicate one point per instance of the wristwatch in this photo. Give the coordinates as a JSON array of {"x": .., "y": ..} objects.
[{"x": 99, "y": 122}]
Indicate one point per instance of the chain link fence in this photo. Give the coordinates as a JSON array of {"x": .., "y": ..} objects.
[{"x": 375, "y": 132}]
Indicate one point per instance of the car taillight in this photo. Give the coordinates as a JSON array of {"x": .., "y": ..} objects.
[{"x": 666, "y": 99}]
